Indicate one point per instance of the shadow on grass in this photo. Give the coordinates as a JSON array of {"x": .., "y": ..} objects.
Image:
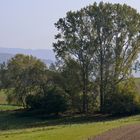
[{"x": 21, "y": 119}]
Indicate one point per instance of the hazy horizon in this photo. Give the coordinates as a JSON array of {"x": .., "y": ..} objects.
[{"x": 29, "y": 24}]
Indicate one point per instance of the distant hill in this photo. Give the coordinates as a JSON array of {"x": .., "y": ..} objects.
[
  {"x": 39, "y": 53},
  {"x": 47, "y": 56},
  {"x": 4, "y": 57}
]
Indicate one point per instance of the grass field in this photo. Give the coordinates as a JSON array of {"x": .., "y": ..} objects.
[
  {"x": 16, "y": 126},
  {"x": 4, "y": 106},
  {"x": 8, "y": 107}
]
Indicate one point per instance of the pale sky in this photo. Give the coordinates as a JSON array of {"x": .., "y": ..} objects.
[{"x": 30, "y": 23}]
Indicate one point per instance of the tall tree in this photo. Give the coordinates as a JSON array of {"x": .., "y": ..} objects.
[
  {"x": 118, "y": 31},
  {"x": 104, "y": 39},
  {"x": 75, "y": 41}
]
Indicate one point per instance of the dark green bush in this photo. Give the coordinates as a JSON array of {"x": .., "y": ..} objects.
[
  {"x": 124, "y": 100},
  {"x": 54, "y": 101},
  {"x": 34, "y": 101}
]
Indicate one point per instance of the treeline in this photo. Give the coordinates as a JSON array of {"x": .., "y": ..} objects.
[{"x": 95, "y": 49}]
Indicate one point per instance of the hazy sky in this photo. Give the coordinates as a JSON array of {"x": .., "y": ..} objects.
[{"x": 30, "y": 23}]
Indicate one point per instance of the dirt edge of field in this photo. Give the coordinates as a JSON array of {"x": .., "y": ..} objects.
[{"x": 129, "y": 132}]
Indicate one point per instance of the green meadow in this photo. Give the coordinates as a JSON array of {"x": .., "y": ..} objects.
[{"x": 15, "y": 125}]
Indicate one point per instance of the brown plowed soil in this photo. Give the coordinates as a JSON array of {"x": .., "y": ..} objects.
[{"x": 129, "y": 132}]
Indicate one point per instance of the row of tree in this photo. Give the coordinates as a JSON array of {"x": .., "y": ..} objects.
[
  {"x": 104, "y": 40},
  {"x": 95, "y": 49}
]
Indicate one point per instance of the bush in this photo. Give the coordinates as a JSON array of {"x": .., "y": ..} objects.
[
  {"x": 124, "y": 100},
  {"x": 34, "y": 101},
  {"x": 54, "y": 101}
]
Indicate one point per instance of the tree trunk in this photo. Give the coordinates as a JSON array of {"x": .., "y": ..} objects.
[
  {"x": 101, "y": 84},
  {"x": 84, "y": 93},
  {"x": 85, "y": 82},
  {"x": 101, "y": 72}
]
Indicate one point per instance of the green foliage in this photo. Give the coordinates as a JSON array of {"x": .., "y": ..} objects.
[
  {"x": 26, "y": 75},
  {"x": 54, "y": 101},
  {"x": 72, "y": 83},
  {"x": 124, "y": 100},
  {"x": 4, "y": 82},
  {"x": 3, "y": 97},
  {"x": 104, "y": 39}
]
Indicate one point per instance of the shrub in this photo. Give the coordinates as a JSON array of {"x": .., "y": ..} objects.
[
  {"x": 33, "y": 101},
  {"x": 124, "y": 100},
  {"x": 54, "y": 101}
]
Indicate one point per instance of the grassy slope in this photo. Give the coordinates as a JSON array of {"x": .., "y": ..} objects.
[
  {"x": 8, "y": 107},
  {"x": 18, "y": 127}
]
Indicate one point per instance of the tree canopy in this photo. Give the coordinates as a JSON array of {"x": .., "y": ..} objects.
[{"x": 26, "y": 75}]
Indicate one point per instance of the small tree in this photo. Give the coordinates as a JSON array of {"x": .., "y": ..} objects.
[{"x": 27, "y": 75}]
